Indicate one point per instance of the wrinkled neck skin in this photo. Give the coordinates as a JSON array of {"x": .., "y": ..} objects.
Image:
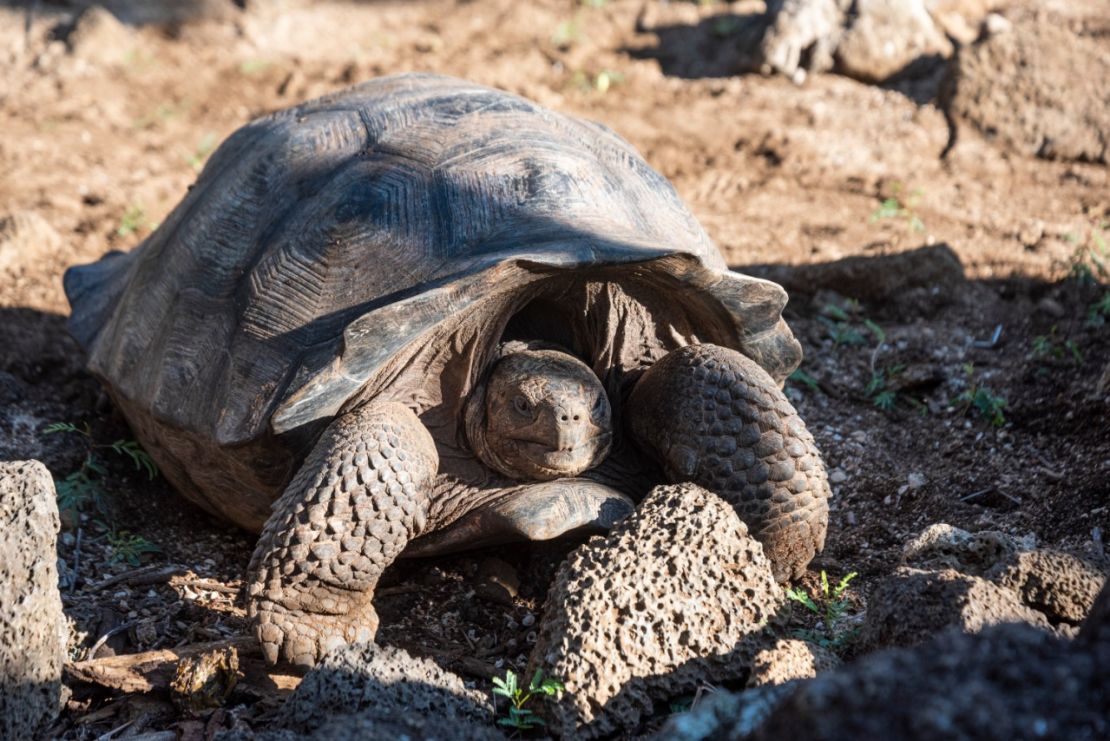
[{"x": 539, "y": 414}]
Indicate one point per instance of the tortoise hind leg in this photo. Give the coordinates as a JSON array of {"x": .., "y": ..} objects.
[
  {"x": 714, "y": 417},
  {"x": 359, "y": 497}
]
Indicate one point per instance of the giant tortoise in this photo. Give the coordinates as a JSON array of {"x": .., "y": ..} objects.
[{"x": 421, "y": 315}]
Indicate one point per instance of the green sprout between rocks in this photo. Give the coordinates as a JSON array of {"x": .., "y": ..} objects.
[
  {"x": 84, "y": 486},
  {"x": 895, "y": 208},
  {"x": 518, "y": 716},
  {"x": 1051, "y": 346},
  {"x": 831, "y": 605},
  {"x": 126, "y": 546},
  {"x": 980, "y": 397}
]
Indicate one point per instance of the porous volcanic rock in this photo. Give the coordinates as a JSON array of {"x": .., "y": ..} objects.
[
  {"x": 911, "y": 606},
  {"x": 1007, "y": 682},
  {"x": 359, "y": 688},
  {"x": 25, "y": 237},
  {"x": 942, "y": 546},
  {"x": 789, "y": 659},
  {"x": 32, "y": 626},
  {"x": 1058, "y": 584},
  {"x": 676, "y": 595},
  {"x": 886, "y": 36},
  {"x": 1036, "y": 88}
]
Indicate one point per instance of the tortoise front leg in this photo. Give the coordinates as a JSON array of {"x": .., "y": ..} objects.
[
  {"x": 714, "y": 417},
  {"x": 359, "y": 497}
]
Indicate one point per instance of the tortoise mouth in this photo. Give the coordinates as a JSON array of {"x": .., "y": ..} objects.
[{"x": 539, "y": 460}]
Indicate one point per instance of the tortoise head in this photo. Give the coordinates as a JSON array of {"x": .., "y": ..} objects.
[{"x": 540, "y": 415}]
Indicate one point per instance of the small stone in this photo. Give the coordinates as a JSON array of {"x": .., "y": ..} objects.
[
  {"x": 1051, "y": 306},
  {"x": 528, "y": 620},
  {"x": 838, "y": 476},
  {"x": 915, "y": 480},
  {"x": 497, "y": 581}
]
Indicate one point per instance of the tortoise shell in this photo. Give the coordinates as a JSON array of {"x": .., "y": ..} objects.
[{"x": 382, "y": 241}]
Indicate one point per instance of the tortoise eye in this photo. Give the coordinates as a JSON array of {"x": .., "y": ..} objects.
[{"x": 522, "y": 405}]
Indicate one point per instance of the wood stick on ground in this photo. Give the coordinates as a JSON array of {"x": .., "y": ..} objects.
[
  {"x": 154, "y": 574},
  {"x": 149, "y": 670}
]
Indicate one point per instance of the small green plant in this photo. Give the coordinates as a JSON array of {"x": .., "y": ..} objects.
[
  {"x": 567, "y": 33},
  {"x": 726, "y": 25},
  {"x": 980, "y": 397},
  {"x": 895, "y": 208},
  {"x": 204, "y": 148},
  {"x": 127, "y": 546},
  {"x": 133, "y": 221},
  {"x": 1090, "y": 261},
  {"x": 831, "y": 606},
  {"x": 518, "y": 716},
  {"x": 83, "y": 488},
  {"x": 1051, "y": 346},
  {"x": 839, "y": 325},
  {"x": 601, "y": 82},
  {"x": 1099, "y": 311},
  {"x": 800, "y": 376},
  {"x": 254, "y": 66},
  {"x": 878, "y": 388}
]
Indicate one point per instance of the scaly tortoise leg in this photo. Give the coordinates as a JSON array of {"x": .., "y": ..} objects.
[
  {"x": 714, "y": 417},
  {"x": 359, "y": 497}
]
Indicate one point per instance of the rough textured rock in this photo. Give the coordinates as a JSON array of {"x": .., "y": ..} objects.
[
  {"x": 381, "y": 687},
  {"x": 97, "y": 36},
  {"x": 1007, "y": 682},
  {"x": 871, "y": 40},
  {"x": 790, "y": 659},
  {"x": 943, "y": 546},
  {"x": 1058, "y": 584},
  {"x": 802, "y": 36},
  {"x": 24, "y": 238},
  {"x": 32, "y": 627},
  {"x": 911, "y": 606},
  {"x": 1037, "y": 89},
  {"x": 886, "y": 36},
  {"x": 726, "y": 715},
  {"x": 676, "y": 595}
]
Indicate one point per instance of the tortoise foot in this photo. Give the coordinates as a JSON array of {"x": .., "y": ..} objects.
[
  {"x": 714, "y": 417},
  {"x": 303, "y": 638}
]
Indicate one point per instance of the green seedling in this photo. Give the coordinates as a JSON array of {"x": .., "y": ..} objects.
[
  {"x": 600, "y": 83},
  {"x": 800, "y": 376},
  {"x": 1051, "y": 346},
  {"x": 204, "y": 148},
  {"x": 831, "y": 605},
  {"x": 133, "y": 221},
  {"x": 1099, "y": 311},
  {"x": 981, "y": 398},
  {"x": 878, "y": 388},
  {"x": 84, "y": 487},
  {"x": 519, "y": 716},
  {"x": 254, "y": 66},
  {"x": 895, "y": 208},
  {"x": 127, "y": 546}
]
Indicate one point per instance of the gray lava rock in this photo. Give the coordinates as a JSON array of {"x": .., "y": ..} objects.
[
  {"x": 789, "y": 659},
  {"x": 943, "y": 546},
  {"x": 1058, "y": 584},
  {"x": 911, "y": 606},
  {"x": 32, "y": 626},
  {"x": 676, "y": 595},
  {"x": 372, "y": 691},
  {"x": 886, "y": 36},
  {"x": 25, "y": 238},
  {"x": 1007, "y": 682},
  {"x": 1036, "y": 88}
]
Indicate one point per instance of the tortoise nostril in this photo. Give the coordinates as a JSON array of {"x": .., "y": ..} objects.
[
  {"x": 564, "y": 418},
  {"x": 577, "y": 417}
]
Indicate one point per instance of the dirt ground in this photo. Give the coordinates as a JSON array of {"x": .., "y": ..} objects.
[{"x": 957, "y": 364}]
